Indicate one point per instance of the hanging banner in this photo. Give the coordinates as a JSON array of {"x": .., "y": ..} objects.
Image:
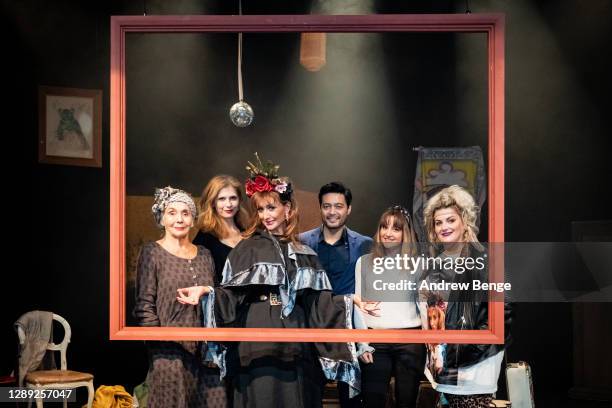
[{"x": 440, "y": 167}]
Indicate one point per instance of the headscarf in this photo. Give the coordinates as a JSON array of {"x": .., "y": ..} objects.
[{"x": 167, "y": 195}]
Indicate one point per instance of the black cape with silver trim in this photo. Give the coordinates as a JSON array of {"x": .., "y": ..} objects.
[{"x": 274, "y": 373}]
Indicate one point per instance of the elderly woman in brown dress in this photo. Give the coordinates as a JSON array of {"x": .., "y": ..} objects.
[{"x": 177, "y": 377}]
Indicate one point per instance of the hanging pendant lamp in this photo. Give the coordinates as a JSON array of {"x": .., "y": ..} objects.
[{"x": 313, "y": 50}]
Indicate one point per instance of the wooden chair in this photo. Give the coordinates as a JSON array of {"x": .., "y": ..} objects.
[{"x": 58, "y": 379}]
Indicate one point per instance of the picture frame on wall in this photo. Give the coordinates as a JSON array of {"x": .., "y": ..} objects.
[{"x": 70, "y": 126}]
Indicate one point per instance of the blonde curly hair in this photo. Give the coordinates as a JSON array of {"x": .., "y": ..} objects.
[{"x": 462, "y": 201}]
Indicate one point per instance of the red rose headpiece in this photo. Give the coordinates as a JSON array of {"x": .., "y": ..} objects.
[{"x": 264, "y": 177}]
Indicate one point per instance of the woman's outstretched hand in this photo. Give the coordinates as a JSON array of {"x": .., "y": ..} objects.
[
  {"x": 367, "y": 306},
  {"x": 192, "y": 294},
  {"x": 367, "y": 358}
]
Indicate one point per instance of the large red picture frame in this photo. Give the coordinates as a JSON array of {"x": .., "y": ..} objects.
[{"x": 493, "y": 25}]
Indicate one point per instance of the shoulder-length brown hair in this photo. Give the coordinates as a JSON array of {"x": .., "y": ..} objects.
[
  {"x": 402, "y": 221},
  {"x": 262, "y": 199},
  {"x": 209, "y": 220}
]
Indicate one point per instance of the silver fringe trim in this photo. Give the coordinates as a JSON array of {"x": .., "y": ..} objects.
[
  {"x": 345, "y": 371},
  {"x": 214, "y": 352},
  {"x": 265, "y": 273}
]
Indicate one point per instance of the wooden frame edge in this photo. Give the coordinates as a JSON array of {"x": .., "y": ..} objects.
[{"x": 492, "y": 24}]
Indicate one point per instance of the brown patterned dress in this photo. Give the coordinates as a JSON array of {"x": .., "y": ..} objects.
[{"x": 177, "y": 377}]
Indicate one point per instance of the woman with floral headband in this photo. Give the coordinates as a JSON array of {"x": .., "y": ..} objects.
[
  {"x": 468, "y": 373},
  {"x": 271, "y": 280},
  {"x": 177, "y": 377},
  {"x": 398, "y": 310}
]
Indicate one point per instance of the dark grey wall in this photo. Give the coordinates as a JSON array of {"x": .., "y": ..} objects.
[
  {"x": 357, "y": 120},
  {"x": 557, "y": 140}
]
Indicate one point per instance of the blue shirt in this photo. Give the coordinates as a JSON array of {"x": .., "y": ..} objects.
[
  {"x": 355, "y": 245},
  {"x": 335, "y": 260}
]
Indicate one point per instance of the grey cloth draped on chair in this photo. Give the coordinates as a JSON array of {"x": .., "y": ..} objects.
[{"x": 38, "y": 328}]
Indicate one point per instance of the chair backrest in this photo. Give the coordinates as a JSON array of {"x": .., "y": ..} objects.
[
  {"x": 520, "y": 385},
  {"x": 61, "y": 346}
]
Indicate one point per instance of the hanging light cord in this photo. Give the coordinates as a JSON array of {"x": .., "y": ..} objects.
[{"x": 240, "y": 95}]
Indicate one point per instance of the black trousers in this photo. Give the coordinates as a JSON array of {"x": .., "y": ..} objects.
[
  {"x": 405, "y": 362},
  {"x": 343, "y": 397}
]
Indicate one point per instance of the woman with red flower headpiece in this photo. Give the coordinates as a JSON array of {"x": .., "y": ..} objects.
[{"x": 271, "y": 280}]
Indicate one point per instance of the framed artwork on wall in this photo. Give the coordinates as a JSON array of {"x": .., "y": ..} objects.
[{"x": 70, "y": 126}]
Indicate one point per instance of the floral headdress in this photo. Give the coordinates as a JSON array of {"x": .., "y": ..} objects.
[{"x": 264, "y": 177}]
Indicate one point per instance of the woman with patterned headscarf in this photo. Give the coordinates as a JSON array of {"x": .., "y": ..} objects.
[{"x": 177, "y": 377}]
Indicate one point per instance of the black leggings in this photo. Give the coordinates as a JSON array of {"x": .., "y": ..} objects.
[{"x": 405, "y": 362}]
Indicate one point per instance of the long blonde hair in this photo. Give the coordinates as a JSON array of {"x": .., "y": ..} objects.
[
  {"x": 462, "y": 201},
  {"x": 401, "y": 220},
  {"x": 209, "y": 220},
  {"x": 260, "y": 199}
]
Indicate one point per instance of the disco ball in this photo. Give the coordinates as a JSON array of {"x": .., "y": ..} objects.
[{"x": 241, "y": 114}]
